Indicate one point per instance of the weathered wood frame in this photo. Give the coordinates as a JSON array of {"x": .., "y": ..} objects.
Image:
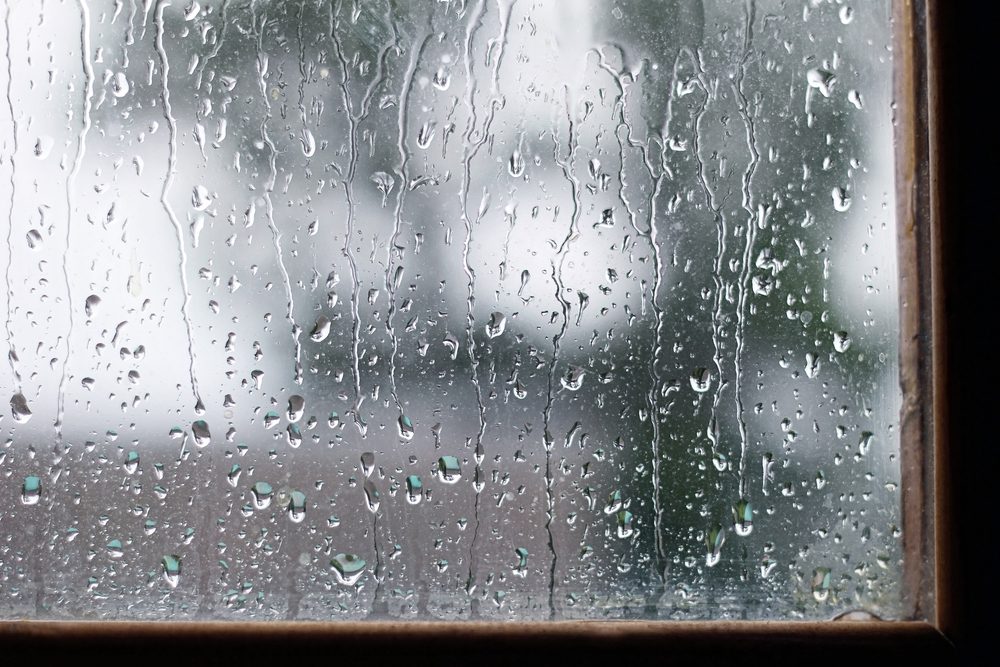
[{"x": 928, "y": 481}]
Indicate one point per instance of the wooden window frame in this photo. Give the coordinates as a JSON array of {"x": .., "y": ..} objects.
[{"x": 929, "y": 480}]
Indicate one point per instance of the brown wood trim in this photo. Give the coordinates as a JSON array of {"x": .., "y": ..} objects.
[
  {"x": 916, "y": 353},
  {"x": 707, "y": 641},
  {"x": 944, "y": 479},
  {"x": 926, "y": 485}
]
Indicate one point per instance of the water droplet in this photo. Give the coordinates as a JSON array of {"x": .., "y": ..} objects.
[
  {"x": 19, "y": 408},
  {"x": 172, "y": 570},
  {"x": 425, "y": 135},
  {"x": 594, "y": 168},
  {"x": 91, "y": 304},
  {"x": 573, "y": 379},
  {"x": 119, "y": 86},
  {"x": 449, "y": 469},
  {"x": 308, "y": 142},
  {"x": 384, "y": 182},
  {"x": 841, "y": 199},
  {"x": 496, "y": 325},
  {"x": 701, "y": 379},
  {"x": 743, "y": 518},
  {"x": 43, "y": 146},
  {"x": 841, "y": 341},
  {"x": 200, "y": 199},
  {"x": 258, "y": 378},
  {"x": 271, "y": 418},
  {"x": 821, "y": 581},
  {"x": 34, "y": 238},
  {"x": 262, "y": 492},
  {"x": 442, "y": 79},
  {"x": 854, "y": 97},
  {"x": 372, "y": 496},
  {"x": 865, "y": 443},
  {"x": 293, "y": 435},
  {"x": 812, "y": 365},
  {"x": 414, "y": 489},
  {"x": 521, "y": 567},
  {"x": 115, "y": 549},
  {"x": 715, "y": 537},
  {"x": 31, "y": 490},
  {"x": 297, "y": 506},
  {"x": 367, "y": 463},
  {"x": 516, "y": 164},
  {"x": 607, "y": 219},
  {"x": 348, "y": 568},
  {"x": 321, "y": 329},
  {"x": 405, "y": 427},
  {"x": 202, "y": 436},
  {"x": 614, "y": 502},
  {"x": 296, "y": 406},
  {"x": 822, "y": 80},
  {"x": 624, "y": 523},
  {"x": 131, "y": 462},
  {"x": 451, "y": 342}
]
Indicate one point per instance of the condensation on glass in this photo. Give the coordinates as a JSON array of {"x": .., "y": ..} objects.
[{"x": 491, "y": 309}]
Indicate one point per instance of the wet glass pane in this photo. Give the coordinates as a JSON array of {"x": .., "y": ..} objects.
[{"x": 492, "y": 309}]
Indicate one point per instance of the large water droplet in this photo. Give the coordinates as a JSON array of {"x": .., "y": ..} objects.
[
  {"x": 296, "y": 406},
  {"x": 449, "y": 469},
  {"x": 841, "y": 341},
  {"x": 202, "y": 436},
  {"x": 701, "y": 379},
  {"x": 171, "y": 570},
  {"x": 715, "y": 537},
  {"x": 19, "y": 408},
  {"x": 821, "y": 581},
  {"x": 414, "y": 489},
  {"x": 348, "y": 568},
  {"x": 743, "y": 518},
  {"x": 495, "y": 327},
  {"x": 321, "y": 329},
  {"x": 297, "y": 506},
  {"x": 262, "y": 492},
  {"x": 31, "y": 490}
]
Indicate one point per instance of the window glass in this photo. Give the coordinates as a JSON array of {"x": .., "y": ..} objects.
[{"x": 493, "y": 309}]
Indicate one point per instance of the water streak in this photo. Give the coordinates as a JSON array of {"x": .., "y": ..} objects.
[
  {"x": 402, "y": 174},
  {"x": 88, "y": 72},
  {"x": 349, "y": 233},
  {"x": 751, "y": 223},
  {"x": 269, "y": 204},
  {"x": 566, "y": 165},
  {"x": 12, "y": 350},
  {"x": 468, "y": 153}
]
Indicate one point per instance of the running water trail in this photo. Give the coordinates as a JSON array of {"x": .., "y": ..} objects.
[
  {"x": 215, "y": 51},
  {"x": 129, "y": 34},
  {"x": 752, "y": 224},
  {"x": 720, "y": 252},
  {"x": 88, "y": 71},
  {"x": 557, "y": 272},
  {"x": 262, "y": 66},
  {"x": 657, "y": 177},
  {"x": 402, "y": 175},
  {"x": 355, "y": 118},
  {"x": 475, "y": 23},
  {"x": 349, "y": 234},
  {"x": 11, "y": 349},
  {"x": 472, "y": 144}
]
